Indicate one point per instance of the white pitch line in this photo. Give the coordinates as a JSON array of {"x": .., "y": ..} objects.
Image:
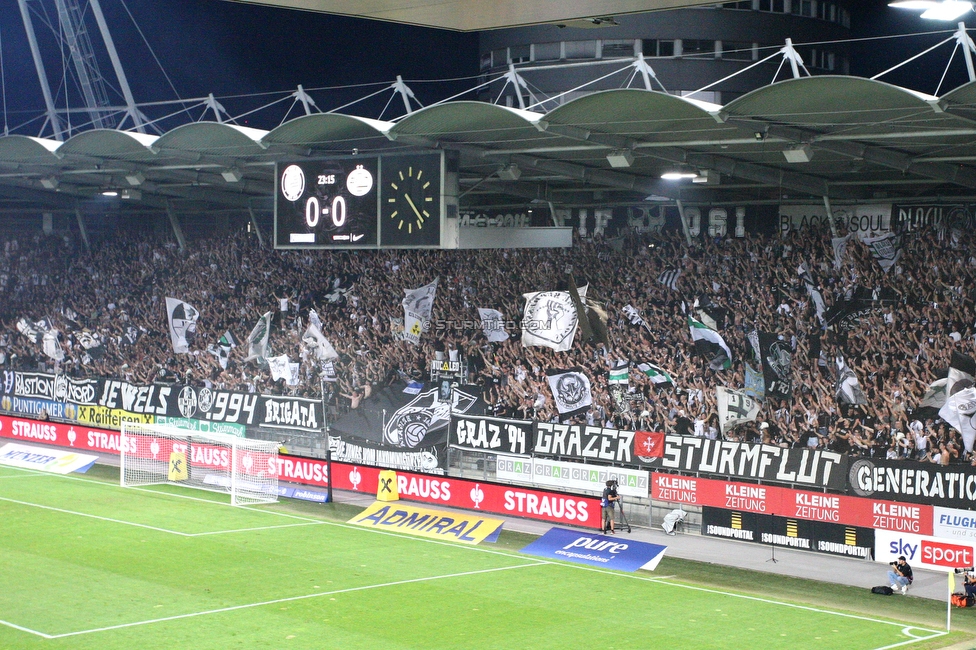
[
  {"x": 26, "y": 629},
  {"x": 248, "y": 530},
  {"x": 85, "y": 514},
  {"x": 914, "y": 639},
  {"x": 292, "y": 599}
]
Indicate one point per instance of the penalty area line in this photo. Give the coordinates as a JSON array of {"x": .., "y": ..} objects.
[
  {"x": 26, "y": 629},
  {"x": 85, "y": 514},
  {"x": 319, "y": 594}
]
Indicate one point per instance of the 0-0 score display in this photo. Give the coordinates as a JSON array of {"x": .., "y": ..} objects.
[{"x": 326, "y": 204}]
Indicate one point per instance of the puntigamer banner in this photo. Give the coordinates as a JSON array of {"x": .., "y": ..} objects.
[{"x": 108, "y": 402}]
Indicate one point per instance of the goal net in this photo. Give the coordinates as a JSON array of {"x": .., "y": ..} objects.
[{"x": 245, "y": 469}]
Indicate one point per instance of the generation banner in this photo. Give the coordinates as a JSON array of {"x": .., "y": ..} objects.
[
  {"x": 808, "y": 467},
  {"x": 433, "y": 524},
  {"x": 787, "y": 502},
  {"x": 570, "y": 476},
  {"x": 786, "y": 532},
  {"x": 904, "y": 480},
  {"x": 476, "y": 433}
]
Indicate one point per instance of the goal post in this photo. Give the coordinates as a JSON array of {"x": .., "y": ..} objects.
[{"x": 244, "y": 468}]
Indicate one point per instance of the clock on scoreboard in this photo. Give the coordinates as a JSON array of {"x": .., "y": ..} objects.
[
  {"x": 388, "y": 201},
  {"x": 327, "y": 203}
]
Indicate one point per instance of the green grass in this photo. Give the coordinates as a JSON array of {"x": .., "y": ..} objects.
[{"x": 93, "y": 565}]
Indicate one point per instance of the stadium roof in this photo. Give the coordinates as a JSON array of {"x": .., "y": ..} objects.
[
  {"x": 477, "y": 15},
  {"x": 851, "y": 139}
]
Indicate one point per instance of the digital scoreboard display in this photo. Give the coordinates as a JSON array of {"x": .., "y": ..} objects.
[
  {"x": 389, "y": 201},
  {"x": 327, "y": 203}
]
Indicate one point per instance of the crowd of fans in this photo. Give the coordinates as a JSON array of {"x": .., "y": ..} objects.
[{"x": 115, "y": 295}]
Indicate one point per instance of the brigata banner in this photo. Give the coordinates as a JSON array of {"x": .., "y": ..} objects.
[
  {"x": 786, "y": 502},
  {"x": 508, "y": 500},
  {"x": 45, "y": 459},
  {"x": 497, "y": 435},
  {"x": 435, "y": 524},
  {"x": 597, "y": 550},
  {"x": 923, "y": 552},
  {"x": 580, "y": 442},
  {"x": 809, "y": 467},
  {"x": 570, "y": 476},
  {"x": 906, "y": 480}
]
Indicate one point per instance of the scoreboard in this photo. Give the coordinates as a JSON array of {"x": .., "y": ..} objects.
[{"x": 390, "y": 201}]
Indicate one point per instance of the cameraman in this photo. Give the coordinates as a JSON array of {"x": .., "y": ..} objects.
[
  {"x": 609, "y": 497},
  {"x": 900, "y": 575}
]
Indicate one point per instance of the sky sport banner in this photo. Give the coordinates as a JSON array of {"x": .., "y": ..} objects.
[
  {"x": 953, "y": 486},
  {"x": 487, "y": 434},
  {"x": 570, "y": 476},
  {"x": 597, "y": 550},
  {"x": 433, "y": 524},
  {"x": 816, "y": 468},
  {"x": 924, "y": 552}
]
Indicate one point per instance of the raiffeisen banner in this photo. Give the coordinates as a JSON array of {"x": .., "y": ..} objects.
[
  {"x": 597, "y": 550},
  {"x": 424, "y": 522}
]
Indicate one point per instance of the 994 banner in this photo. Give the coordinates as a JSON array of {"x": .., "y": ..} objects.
[{"x": 327, "y": 204}]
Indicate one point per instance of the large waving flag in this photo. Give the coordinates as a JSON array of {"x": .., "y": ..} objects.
[
  {"x": 656, "y": 374},
  {"x": 710, "y": 344},
  {"x": 257, "y": 340},
  {"x": 417, "y": 307},
  {"x": 735, "y": 407},
  {"x": 570, "y": 390},
  {"x": 182, "y": 324},
  {"x": 493, "y": 325},
  {"x": 550, "y": 319}
]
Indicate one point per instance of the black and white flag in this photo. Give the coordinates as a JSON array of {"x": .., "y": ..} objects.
[
  {"x": 550, "y": 319},
  {"x": 182, "y": 324},
  {"x": 670, "y": 278},
  {"x": 279, "y": 367},
  {"x": 417, "y": 307},
  {"x": 813, "y": 291},
  {"x": 886, "y": 249},
  {"x": 777, "y": 365},
  {"x": 839, "y": 245},
  {"x": 962, "y": 369},
  {"x": 735, "y": 407},
  {"x": 316, "y": 343},
  {"x": 570, "y": 390},
  {"x": 960, "y": 412},
  {"x": 848, "y": 388},
  {"x": 257, "y": 340},
  {"x": 225, "y": 344},
  {"x": 92, "y": 344},
  {"x": 492, "y": 325},
  {"x": 633, "y": 315}
]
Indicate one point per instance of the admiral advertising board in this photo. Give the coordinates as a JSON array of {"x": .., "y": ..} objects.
[
  {"x": 810, "y": 467},
  {"x": 923, "y": 552},
  {"x": 799, "y": 504},
  {"x": 949, "y": 486},
  {"x": 788, "y": 532},
  {"x": 543, "y": 472}
]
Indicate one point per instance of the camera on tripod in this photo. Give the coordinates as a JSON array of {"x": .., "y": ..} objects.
[{"x": 968, "y": 569}]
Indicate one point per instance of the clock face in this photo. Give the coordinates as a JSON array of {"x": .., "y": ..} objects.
[{"x": 411, "y": 201}]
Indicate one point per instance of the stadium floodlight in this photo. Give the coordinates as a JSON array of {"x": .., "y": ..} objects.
[
  {"x": 244, "y": 468},
  {"x": 678, "y": 176},
  {"x": 935, "y": 10}
]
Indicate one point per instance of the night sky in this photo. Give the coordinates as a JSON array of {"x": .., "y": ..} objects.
[{"x": 229, "y": 49}]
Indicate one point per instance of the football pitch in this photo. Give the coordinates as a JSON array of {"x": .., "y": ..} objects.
[{"x": 85, "y": 563}]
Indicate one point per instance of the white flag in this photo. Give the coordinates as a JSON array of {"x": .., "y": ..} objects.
[
  {"x": 571, "y": 391},
  {"x": 316, "y": 342},
  {"x": 960, "y": 412},
  {"x": 51, "y": 346},
  {"x": 293, "y": 377},
  {"x": 417, "y": 307},
  {"x": 550, "y": 319},
  {"x": 257, "y": 340},
  {"x": 182, "y": 324},
  {"x": 279, "y": 367},
  {"x": 493, "y": 325},
  {"x": 735, "y": 407}
]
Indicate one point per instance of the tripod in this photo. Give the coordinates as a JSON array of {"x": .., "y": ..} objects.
[
  {"x": 772, "y": 547},
  {"x": 623, "y": 515}
]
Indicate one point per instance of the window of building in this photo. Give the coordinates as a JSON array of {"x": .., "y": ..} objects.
[
  {"x": 738, "y": 51},
  {"x": 694, "y": 46},
  {"x": 804, "y": 7},
  {"x": 519, "y": 54},
  {"x": 545, "y": 52},
  {"x": 654, "y": 47},
  {"x": 580, "y": 49},
  {"x": 486, "y": 61},
  {"x": 747, "y": 4},
  {"x": 499, "y": 57},
  {"x": 616, "y": 49},
  {"x": 775, "y": 6}
]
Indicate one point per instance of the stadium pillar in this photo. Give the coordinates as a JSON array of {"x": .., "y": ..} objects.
[
  {"x": 254, "y": 224},
  {"x": 81, "y": 226},
  {"x": 684, "y": 222},
  {"x": 830, "y": 216},
  {"x": 175, "y": 223}
]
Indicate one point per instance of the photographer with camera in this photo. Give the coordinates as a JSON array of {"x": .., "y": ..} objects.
[
  {"x": 609, "y": 498},
  {"x": 900, "y": 575}
]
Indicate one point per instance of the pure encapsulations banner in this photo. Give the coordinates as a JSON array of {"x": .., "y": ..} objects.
[
  {"x": 815, "y": 468},
  {"x": 570, "y": 476},
  {"x": 597, "y": 550}
]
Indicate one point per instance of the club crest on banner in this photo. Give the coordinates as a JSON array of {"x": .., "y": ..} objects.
[{"x": 408, "y": 426}]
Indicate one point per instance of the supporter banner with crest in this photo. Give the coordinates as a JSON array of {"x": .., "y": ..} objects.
[
  {"x": 777, "y": 365},
  {"x": 491, "y": 434},
  {"x": 550, "y": 319}
]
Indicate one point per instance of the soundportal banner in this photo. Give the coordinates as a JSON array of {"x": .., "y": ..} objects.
[{"x": 110, "y": 401}]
